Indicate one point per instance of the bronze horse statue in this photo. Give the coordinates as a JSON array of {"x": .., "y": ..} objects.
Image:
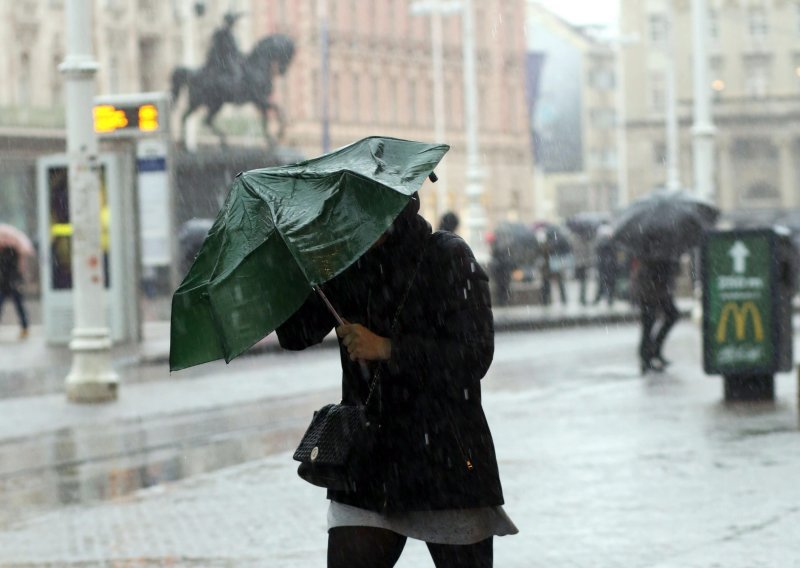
[{"x": 250, "y": 83}]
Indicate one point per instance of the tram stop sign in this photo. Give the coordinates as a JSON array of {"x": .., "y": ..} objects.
[{"x": 746, "y": 303}]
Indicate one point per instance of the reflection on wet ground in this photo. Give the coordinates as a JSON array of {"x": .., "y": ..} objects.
[{"x": 80, "y": 465}]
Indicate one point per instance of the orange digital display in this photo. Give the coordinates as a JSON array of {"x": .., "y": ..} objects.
[{"x": 126, "y": 119}]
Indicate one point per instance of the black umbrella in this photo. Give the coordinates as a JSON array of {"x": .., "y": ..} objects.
[
  {"x": 557, "y": 238},
  {"x": 664, "y": 224},
  {"x": 586, "y": 223},
  {"x": 517, "y": 242}
]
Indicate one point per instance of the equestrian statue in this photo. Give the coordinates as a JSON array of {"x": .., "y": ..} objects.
[{"x": 230, "y": 76}]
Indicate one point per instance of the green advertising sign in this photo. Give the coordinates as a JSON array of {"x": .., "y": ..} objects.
[{"x": 737, "y": 297}]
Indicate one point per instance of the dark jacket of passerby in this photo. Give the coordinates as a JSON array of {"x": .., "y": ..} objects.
[
  {"x": 655, "y": 280},
  {"x": 435, "y": 451},
  {"x": 10, "y": 275}
]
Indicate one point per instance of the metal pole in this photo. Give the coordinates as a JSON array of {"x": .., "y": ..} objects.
[
  {"x": 476, "y": 220},
  {"x": 438, "y": 105},
  {"x": 703, "y": 129},
  {"x": 622, "y": 141},
  {"x": 322, "y": 13},
  {"x": 91, "y": 378},
  {"x": 189, "y": 63},
  {"x": 671, "y": 115}
]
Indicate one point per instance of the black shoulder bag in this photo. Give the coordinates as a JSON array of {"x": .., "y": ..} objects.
[{"x": 340, "y": 437}]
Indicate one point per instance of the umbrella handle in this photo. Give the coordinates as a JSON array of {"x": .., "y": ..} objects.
[
  {"x": 330, "y": 307},
  {"x": 362, "y": 364}
]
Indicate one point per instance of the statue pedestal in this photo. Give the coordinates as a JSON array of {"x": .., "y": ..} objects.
[{"x": 202, "y": 178}]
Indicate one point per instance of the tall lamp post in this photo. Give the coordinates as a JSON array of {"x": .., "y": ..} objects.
[
  {"x": 671, "y": 114},
  {"x": 324, "y": 46},
  {"x": 436, "y": 9},
  {"x": 476, "y": 216},
  {"x": 703, "y": 128},
  {"x": 91, "y": 377}
]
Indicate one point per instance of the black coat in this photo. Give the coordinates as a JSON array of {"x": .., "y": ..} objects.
[
  {"x": 655, "y": 281},
  {"x": 436, "y": 450}
]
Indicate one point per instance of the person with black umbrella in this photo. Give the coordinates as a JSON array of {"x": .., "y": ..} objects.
[{"x": 658, "y": 229}]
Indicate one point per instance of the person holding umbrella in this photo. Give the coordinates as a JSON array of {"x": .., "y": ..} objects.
[
  {"x": 434, "y": 476},
  {"x": 336, "y": 242},
  {"x": 658, "y": 229},
  {"x": 14, "y": 248}
]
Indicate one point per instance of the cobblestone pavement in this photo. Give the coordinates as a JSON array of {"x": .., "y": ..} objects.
[{"x": 602, "y": 468}]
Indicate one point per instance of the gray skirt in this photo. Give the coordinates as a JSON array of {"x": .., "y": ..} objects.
[{"x": 450, "y": 526}]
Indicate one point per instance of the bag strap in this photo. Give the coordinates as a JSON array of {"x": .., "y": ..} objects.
[{"x": 377, "y": 375}]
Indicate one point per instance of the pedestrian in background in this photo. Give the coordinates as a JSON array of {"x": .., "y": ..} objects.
[
  {"x": 606, "y": 253},
  {"x": 654, "y": 283},
  {"x": 551, "y": 265},
  {"x": 449, "y": 222},
  {"x": 418, "y": 311},
  {"x": 583, "y": 253},
  {"x": 11, "y": 270}
]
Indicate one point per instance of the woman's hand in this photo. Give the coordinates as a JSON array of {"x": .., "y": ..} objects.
[{"x": 364, "y": 345}]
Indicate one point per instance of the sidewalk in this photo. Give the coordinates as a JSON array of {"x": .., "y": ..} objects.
[{"x": 34, "y": 358}]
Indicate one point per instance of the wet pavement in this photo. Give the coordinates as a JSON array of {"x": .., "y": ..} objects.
[{"x": 601, "y": 467}]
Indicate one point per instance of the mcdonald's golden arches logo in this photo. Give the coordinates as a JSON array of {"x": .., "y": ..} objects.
[{"x": 740, "y": 313}]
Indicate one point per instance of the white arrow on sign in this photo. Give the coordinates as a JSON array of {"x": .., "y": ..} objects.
[{"x": 739, "y": 253}]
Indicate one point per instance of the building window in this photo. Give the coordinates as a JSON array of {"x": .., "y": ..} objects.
[
  {"x": 334, "y": 97},
  {"x": 603, "y": 118},
  {"x": 658, "y": 29},
  {"x": 757, "y": 23},
  {"x": 602, "y": 79},
  {"x": 412, "y": 101},
  {"x": 113, "y": 75},
  {"x": 148, "y": 64},
  {"x": 796, "y": 71},
  {"x": 356, "y": 99},
  {"x": 24, "y": 84},
  {"x": 757, "y": 72},
  {"x": 57, "y": 82},
  {"x": 713, "y": 24},
  {"x": 657, "y": 91},
  {"x": 659, "y": 154},
  {"x": 797, "y": 17},
  {"x": 376, "y": 101}
]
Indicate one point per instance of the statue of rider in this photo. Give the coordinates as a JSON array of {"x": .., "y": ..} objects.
[{"x": 224, "y": 57}]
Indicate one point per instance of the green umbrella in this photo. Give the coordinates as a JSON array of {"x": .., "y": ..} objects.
[{"x": 284, "y": 230}]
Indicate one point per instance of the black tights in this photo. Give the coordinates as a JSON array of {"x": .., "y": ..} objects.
[{"x": 369, "y": 547}]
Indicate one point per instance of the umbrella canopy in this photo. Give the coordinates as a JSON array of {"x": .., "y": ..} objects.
[
  {"x": 557, "y": 238},
  {"x": 664, "y": 224},
  {"x": 283, "y": 230},
  {"x": 585, "y": 224},
  {"x": 516, "y": 242},
  {"x": 12, "y": 237}
]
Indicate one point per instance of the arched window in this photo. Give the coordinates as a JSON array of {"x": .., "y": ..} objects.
[{"x": 24, "y": 85}]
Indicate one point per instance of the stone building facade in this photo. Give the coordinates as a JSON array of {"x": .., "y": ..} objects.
[
  {"x": 575, "y": 122},
  {"x": 754, "y": 58},
  {"x": 380, "y": 83}
]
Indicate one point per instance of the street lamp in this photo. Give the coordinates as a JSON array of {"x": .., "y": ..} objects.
[
  {"x": 436, "y": 9},
  {"x": 703, "y": 128},
  {"x": 91, "y": 377},
  {"x": 476, "y": 217},
  {"x": 324, "y": 45},
  {"x": 671, "y": 115}
]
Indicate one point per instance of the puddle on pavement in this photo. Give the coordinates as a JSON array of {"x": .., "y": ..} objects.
[{"x": 84, "y": 465}]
